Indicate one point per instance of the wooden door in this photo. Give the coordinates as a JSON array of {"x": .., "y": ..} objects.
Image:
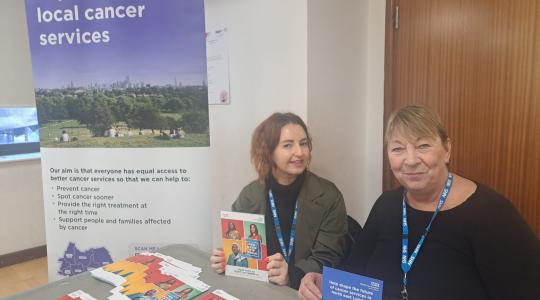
[{"x": 477, "y": 63}]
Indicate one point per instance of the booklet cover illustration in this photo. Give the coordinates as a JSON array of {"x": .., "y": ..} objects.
[{"x": 244, "y": 245}]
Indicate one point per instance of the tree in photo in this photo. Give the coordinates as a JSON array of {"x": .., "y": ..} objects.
[
  {"x": 98, "y": 117},
  {"x": 121, "y": 106},
  {"x": 51, "y": 107},
  {"x": 144, "y": 115},
  {"x": 195, "y": 122}
]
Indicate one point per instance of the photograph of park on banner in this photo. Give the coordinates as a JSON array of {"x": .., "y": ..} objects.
[{"x": 143, "y": 86}]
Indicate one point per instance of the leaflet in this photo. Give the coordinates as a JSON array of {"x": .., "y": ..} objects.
[
  {"x": 77, "y": 295},
  {"x": 151, "y": 276},
  {"x": 341, "y": 285},
  {"x": 244, "y": 245},
  {"x": 218, "y": 295}
]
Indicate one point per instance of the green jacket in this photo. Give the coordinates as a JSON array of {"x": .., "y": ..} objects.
[{"x": 321, "y": 225}]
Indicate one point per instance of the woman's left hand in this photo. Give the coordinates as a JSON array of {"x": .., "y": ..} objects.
[{"x": 278, "y": 269}]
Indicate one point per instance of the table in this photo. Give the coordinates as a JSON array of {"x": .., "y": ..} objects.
[{"x": 244, "y": 289}]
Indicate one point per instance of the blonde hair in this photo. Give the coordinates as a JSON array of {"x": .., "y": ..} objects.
[
  {"x": 265, "y": 139},
  {"x": 416, "y": 121}
]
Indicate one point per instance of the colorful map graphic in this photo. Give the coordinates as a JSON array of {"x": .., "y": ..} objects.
[{"x": 76, "y": 261}]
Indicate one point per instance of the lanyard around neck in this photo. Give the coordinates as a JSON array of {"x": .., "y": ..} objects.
[
  {"x": 406, "y": 261},
  {"x": 286, "y": 252}
]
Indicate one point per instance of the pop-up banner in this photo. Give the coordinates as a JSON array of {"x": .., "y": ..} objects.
[{"x": 122, "y": 104}]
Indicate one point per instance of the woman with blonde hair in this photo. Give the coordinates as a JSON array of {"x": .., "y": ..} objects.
[
  {"x": 305, "y": 214},
  {"x": 440, "y": 235}
]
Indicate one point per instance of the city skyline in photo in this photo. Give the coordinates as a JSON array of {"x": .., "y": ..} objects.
[{"x": 164, "y": 45}]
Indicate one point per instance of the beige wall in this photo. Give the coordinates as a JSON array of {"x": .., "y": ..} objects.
[
  {"x": 16, "y": 87},
  {"x": 345, "y": 92},
  {"x": 336, "y": 83},
  {"x": 22, "y": 224}
]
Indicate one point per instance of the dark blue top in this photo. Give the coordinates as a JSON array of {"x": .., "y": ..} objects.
[
  {"x": 481, "y": 249},
  {"x": 285, "y": 198}
]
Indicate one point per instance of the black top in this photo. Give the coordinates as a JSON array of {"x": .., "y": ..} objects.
[
  {"x": 285, "y": 197},
  {"x": 481, "y": 249}
]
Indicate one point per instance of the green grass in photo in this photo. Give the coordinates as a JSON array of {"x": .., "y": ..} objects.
[{"x": 80, "y": 137}]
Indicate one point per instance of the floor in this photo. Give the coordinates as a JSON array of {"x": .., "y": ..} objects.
[{"x": 23, "y": 276}]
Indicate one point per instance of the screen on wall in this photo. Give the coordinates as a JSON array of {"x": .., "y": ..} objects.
[{"x": 19, "y": 133}]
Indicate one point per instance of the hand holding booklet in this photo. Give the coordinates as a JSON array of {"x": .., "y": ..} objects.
[{"x": 244, "y": 245}]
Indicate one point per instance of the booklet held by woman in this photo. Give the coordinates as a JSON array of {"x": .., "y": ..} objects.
[{"x": 244, "y": 245}]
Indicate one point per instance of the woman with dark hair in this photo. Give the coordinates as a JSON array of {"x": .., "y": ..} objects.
[
  {"x": 254, "y": 233},
  {"x": 305, "y": 214},
  {"x": 232, "y": 233}
]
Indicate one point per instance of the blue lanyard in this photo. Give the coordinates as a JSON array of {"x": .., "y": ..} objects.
[
  {"x": 286, "y": 254},
  {"x": 406, "y": 264}
]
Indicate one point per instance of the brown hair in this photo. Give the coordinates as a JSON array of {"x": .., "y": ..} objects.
[
  {"x": 265, "y": 139},
  {"x": 416, "y": 121}
]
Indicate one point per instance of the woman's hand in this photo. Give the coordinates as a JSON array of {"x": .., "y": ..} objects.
[
  {"x": 277, "y": 269},
  {"x": 310, "y": 287},
  {"x": 218, "y": 260}
]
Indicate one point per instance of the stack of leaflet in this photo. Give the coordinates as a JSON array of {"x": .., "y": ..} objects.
[
  {"x": 151, "y": 276},
  {"x": 77, "y": 295},
  {"x": 219, "y": 295}
]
